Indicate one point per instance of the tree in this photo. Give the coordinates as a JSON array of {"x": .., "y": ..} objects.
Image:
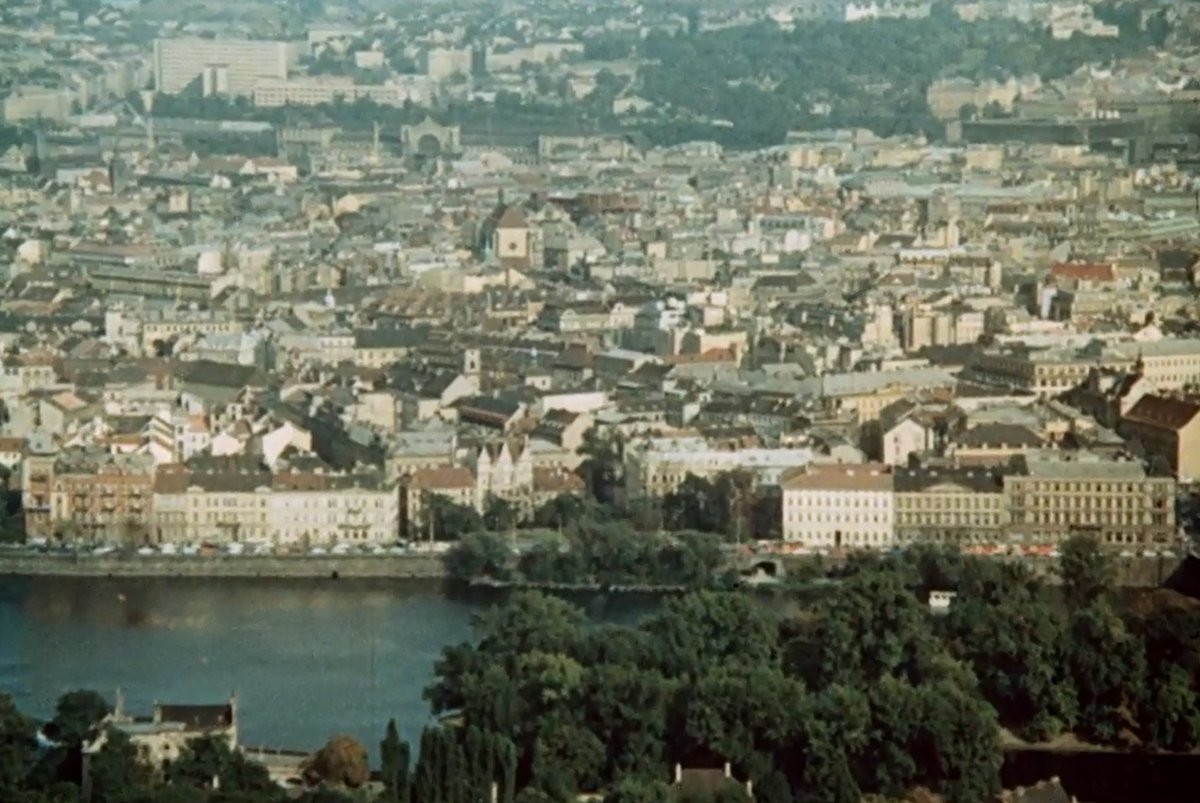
[
  {"x": 873, "y": 626},
  {"x": 1087, "y": 572},
  {"x": 394, "y": 755},
  {"x": 1015, "y": 642},
  {"x": 530, "y": 622},
  {"x": 427, "y": 777},
  {"x": 342, "y": 761},
  {"x": 500, "y": 515},
  {"x": 1170, "y": 635},
  {"x": 744, "y": 714},
  {"x": 735, "y": 493},
  {"x": 639, "y": 789},
  {"x": 116, "y": 773},
  {"x": 567, "y": 759},
  {"x": 210, "y": 759},
  {"x": 478, "y": 554},
  {"x": 957, "y": 747},
  {"x": 1107, "y": 665},
  {"x": 560, "y": 511},
  {"x": 18, "y": 746},
  {"x": 1170, "y": 710},
  {"x": 76, "y": 716},
  {"x": 626, "y": 707},
  {"x": 602, "y": 464},
  {"x": 697, "y": 630},
  {"x": 693, "y": 505},
  {"x": 448, "y": 520}
]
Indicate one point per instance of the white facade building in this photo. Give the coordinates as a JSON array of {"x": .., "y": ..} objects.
[
  {"x": 836, "y": 507},
  {"x": 222, "y": 66}
]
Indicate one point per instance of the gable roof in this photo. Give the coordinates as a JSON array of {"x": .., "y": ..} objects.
[
  {"x": 512, "y": 218},
  {"x": 1083, "y": 271},
  {"x": 1163, "y": 412}
]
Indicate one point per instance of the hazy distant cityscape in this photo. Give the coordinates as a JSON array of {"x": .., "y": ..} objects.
[{"x": 855, "y": 341}]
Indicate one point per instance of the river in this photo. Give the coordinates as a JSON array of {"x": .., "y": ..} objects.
[{"x": 307, "y": 658}]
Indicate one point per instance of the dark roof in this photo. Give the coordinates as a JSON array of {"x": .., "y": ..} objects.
[
  {"x": 784, "y": 281},
  {"x": 389, "y": 337},
  {"x": 228, "y": 474},
  {"x": 1163, "y": 412},
  {"x": 198, "y": 717},
  {"x": 423, "y": 382},
  {"x": 488, "y": 407},
  {"x": 648, "y": 373},
  {"x": 218, "y": 374},
  {"x": 1010, "y": 435},
  {"x": 977, "y": 480},
  {"x": 960, "y": 354},
  {"x": 1177, "y": 258}
]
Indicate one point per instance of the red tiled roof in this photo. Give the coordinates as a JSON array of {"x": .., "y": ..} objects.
[
  {"x": 1083, "y": 271},
  {"x": 1163, "y": 412},
  {"x": 712, "y": 355},
  {"x": 441, "y": 478}
]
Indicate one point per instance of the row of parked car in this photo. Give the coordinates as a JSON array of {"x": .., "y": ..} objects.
[{"x": 44, "y": 546}]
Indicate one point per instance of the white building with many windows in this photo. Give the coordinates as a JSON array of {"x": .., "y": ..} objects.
[{"x": 840, "y": 506}]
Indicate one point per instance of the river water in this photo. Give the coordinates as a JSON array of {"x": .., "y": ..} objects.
[{"x": 306, "y": 658}]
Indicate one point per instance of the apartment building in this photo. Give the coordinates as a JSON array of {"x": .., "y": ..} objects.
[
  {"x": 215, "y": 500},
  {"x": 454, "y": 483},
  {"x": 309, "y": 506},
  {"x": 655, "y": 467},
  {"x": 313, "y": 91},
  {"x": 950, "y": 505},
  {"x": 1167, "y": 429},
  {"x": 303, "y": 503},
  {"x": 37, "y": 483},
  {"x": 1055, "y": 495},
  {"x": 102, "y": 496},
  {"x": 836, "y": 507},
  {"x": 221, "y": 66},
  {"x": 143, "y": 331},
  {"x": 1167, "y": 364}
]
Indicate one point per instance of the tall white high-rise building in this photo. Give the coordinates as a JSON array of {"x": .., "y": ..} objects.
[{"x": 221, "y": 66}]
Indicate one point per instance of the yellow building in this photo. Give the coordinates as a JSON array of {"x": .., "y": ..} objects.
[
  {"x": 949, "y": 505},
  {"x": 1055, "y": 495}
]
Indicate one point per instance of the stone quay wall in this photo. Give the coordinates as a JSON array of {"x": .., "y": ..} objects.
[{"x": 307, "y": 566}]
